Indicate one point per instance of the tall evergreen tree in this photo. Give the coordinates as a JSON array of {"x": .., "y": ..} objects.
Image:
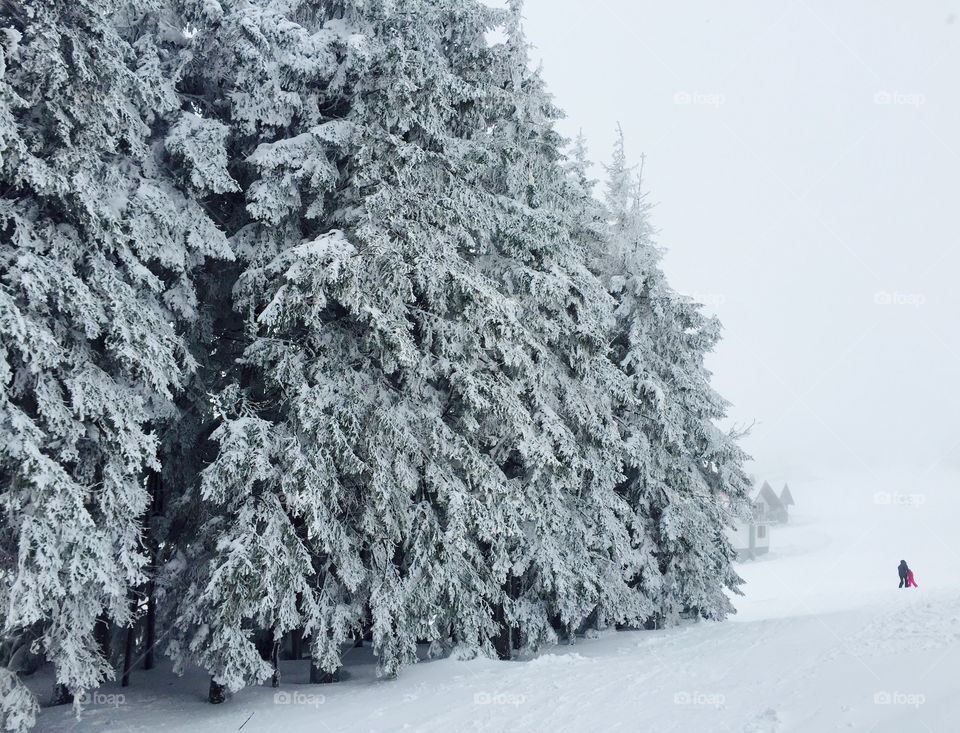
[
  {"x": 420, "y": 323},
  {"x": 380, "y": 345},
  {"x": 97, "y": 247},
  {"x": 304, "y": 305},
  {"x": 271, "y": 71},
  {"x": 579, "y": 547},
  {"x": 685, "y": 475}
]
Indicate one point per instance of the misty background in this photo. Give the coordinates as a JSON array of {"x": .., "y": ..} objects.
[{"x": 804, "y": 159}]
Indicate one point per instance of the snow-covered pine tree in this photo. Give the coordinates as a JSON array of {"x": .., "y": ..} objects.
[
  {"x": 685, "y": 475},
  {"x": 424, "y": 433},
  {"x": 96, "y": 253},
  {"x": 252, "y": 564},
  {"x": 636, "y": 547},
  {"x": 360, "y": 356},
  {"x": 580, "y": 552},
  {"x": 426, "y": 400}
]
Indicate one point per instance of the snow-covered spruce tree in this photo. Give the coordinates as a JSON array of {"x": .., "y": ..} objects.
[
  {"x": 421, "y": 435},
  {"x": 379, "y": 343},
  {"x": 263, "y": 68},
  {"x": 97, "y": 245},
  {"x": 685, "y": 475},
  {"x": 581, "y": 549},
  {"x": 641, "y": 573},
  {"x": 411, "y": 410}
]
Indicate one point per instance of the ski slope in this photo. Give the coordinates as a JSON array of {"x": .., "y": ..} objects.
[{"x": 823, "y": 640}]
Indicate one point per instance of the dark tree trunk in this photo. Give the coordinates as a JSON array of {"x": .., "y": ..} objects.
[
  {"x": 155, "y": 484},
  {"x": 501, "y": 642},
  {"x": 296, "y": 644},
  {"x": 129, "y": 648},
  {"x": 128, "y": 656},
  {"x": 595, "y": 620},
  {"x": 556, "y": 624},
  {"x": 150, "y": 629},
  {"x": 358, "y": 641},
  {"x": 61, "y": 695},
  {"x": 217, "y": 693},
  {"x": 102, "y": 633},
  {"x": 508, "y": 638},
  {"x": 515, "y": 585},
  {"x": 652, "y": 623},
  {"x": 264, "y": 644},
  {"x": 275, "y": 662}
]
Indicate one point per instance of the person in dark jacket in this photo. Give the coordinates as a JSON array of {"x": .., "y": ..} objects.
[{"x": 904, "y": 572}]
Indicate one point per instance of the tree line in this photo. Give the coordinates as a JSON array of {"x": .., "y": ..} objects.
[{"x": 313, "y": 333}]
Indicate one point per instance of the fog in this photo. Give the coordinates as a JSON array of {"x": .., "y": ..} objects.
[{"x": 804, "y": 157}]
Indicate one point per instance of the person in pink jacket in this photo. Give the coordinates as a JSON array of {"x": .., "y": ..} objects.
[{"x": 910, "y": 580}]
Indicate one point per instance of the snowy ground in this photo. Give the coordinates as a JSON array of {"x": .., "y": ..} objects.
[{"x": 823, "y": 641}]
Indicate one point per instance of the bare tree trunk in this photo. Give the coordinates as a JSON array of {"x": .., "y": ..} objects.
[
  {"x": 515, "y": 591},
  {"x": 102, "y": 633},
  {"x": 155, "y": 483},
  {"x": 128, "y": 656},
  {"x": 296, "y": 644},
  {"x": 61, "y": 694},
  {"x": 131, "y": 642},
  {"x": 217, "y": 693},
  {"x": 275, "y": 661},
  {"x": 501, "y": 642},
  {"x": 150, "y": 630}
]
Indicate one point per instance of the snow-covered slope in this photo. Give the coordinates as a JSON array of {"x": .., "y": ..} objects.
[{"x": 824, "y": 641}]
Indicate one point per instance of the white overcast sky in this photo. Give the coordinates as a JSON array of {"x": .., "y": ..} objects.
[{"x": 805, "y": 157}]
